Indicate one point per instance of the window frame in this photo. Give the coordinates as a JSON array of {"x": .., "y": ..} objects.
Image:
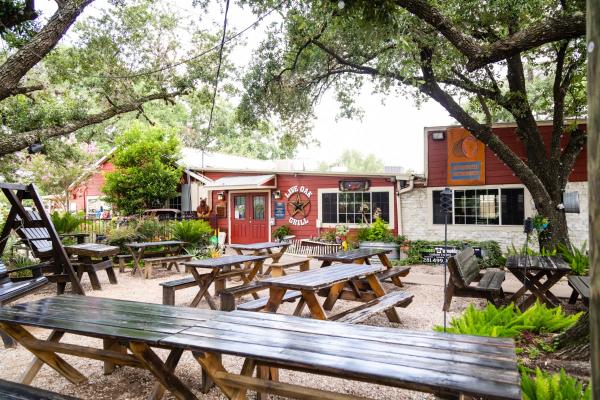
[
  {"x": 452, "y": 222},
  {"x": 391, "y": 204}
]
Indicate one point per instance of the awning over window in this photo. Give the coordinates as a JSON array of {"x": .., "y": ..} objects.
[{"x": 243, "y": 182}]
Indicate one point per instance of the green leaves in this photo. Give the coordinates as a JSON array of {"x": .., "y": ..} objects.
[
  {"x": 146, "y": 174},
  {"x": 194, "y": 232},
  {"x": 509, "y": 321},
  {"x": 544, "y": 386},
  {"x": 577, "y": 259},
  {"x": 65, "y": 222}
]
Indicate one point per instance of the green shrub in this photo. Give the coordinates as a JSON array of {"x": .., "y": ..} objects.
[
  {"x": 378, "y": 231},
  {"x": 544, "y": 386},
  {"x": 151, "y": 228},
  {"x": 328, "y": 235},
  {"x": 577, "y": 259},
  {"x": 19, "y": 261},
  {"x": 195, "y": 232},
  {"x": 281, "y": 231},
  {"x": 65, "y": 222},
  {"x": 121, "y": 236},
  {"x": 509, "y": 321}
]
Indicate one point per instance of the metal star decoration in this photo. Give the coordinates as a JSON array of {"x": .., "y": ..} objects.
[{"x": 298, "y": 206}]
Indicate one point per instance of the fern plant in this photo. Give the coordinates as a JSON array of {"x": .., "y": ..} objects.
[
  {"x": 577, "y": 259},
  {"x": 559, "y": 386},
  {"x": 65, "y": 222},
  {"x": 195, "y": 232},
  {"x": 509, "y": 321}
]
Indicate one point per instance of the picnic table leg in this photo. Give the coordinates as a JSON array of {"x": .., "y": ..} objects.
[
  {"x": 316, "y": 310},
  {"x": 160, "y": 370},
  {"x": 333, "y": 296},
  {"x": 525, "y": 280},
  {"x": 204, "y": 284},
  {"x": 137, "y": 256},
  {"x": 114, "y": 345},
  {"x": 541, "y": 292},
  {"x": 36, "y": 363},
  {"x": 110, "y": 271},
  {"x": 379, "y": 291},
  {"x": 172, "y": 360},
  {"x": 212, "y": 364},
  {"x": 388, "y": 264},
  {"x": 275, "y": 299},
  {"x": 48, "y": 357},
  {"x": 299, "y": 307}
]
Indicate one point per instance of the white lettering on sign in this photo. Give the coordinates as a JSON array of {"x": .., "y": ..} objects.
[
  {"x": 295, "y": 189},
  {"x": 298, "y": 222}
]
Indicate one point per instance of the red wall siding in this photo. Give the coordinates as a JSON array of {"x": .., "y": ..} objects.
[
  {"x": 496, "y": 173},
  {"x": 92, "y": 186},
  {"x": 313, "y": 183}
]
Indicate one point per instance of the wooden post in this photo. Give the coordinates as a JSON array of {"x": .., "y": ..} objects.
[{"x": 593, "y": 148}]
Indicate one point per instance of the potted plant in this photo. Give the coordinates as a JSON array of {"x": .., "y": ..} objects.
[
  {"x": 379, "y": 236},
  {"x": 281, "y": 232}
]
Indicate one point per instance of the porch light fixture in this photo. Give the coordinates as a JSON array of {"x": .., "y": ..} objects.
[
  {"x": 438, "y": 135},
  {"x": 221, "y": 196},
  {"x": 277, "y": 194}
]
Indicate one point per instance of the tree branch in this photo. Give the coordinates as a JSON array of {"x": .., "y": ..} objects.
[
  {"x": 25, "y": 89},
  {"x": 558, "y": 93},
  {"x": 560, "y": 27},
  {"x": 18, "y": 64},
  {"x": 19, "y": 141}
]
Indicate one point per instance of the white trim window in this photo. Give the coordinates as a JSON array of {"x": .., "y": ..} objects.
[
  {"x": 355, "y": 208},
  {"x": 482, "y": 206}
]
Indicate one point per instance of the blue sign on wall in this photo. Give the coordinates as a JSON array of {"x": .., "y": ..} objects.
[{"x": 279, "y": 210}]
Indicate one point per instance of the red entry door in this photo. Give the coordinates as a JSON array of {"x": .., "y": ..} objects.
[{"x": 249, "y": 218}]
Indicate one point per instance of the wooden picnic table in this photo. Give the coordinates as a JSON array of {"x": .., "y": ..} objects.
[
  {"x": 91, "y": 258},
  {"x": 80, "y": 237},
  {"x": 443, "y": 364},
  {"x": 334, "y": 278},
  {"x": 221, "y": 268},
  {"x": 530, "y": 270},
  {"x": 263, "y": 248},
  {"x": 138, "y": 249}
]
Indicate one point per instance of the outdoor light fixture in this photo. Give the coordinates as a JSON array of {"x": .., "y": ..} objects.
[
  {"x": 438, "y": 135},
  {"x": 277, "y": 194},
  {"x": 446, "y": 202},
  {"x": 221, "y": 196}
]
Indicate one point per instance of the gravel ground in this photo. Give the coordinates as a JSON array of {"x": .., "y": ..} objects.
[{"x": 130, "y": 383}]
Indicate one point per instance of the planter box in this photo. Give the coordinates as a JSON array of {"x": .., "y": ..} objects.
[{"x": 394, "y": 247}]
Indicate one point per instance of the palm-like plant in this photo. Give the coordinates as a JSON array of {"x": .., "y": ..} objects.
[
  {"x": 66, "y": 222},
  {"x": 194, "y": 232},
  {"x": 577, "y": 259}
]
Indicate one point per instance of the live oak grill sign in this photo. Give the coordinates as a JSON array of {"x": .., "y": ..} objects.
[{"x": 298, "y": 205}]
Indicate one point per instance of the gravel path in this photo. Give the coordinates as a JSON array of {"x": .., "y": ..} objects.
[{"x": 130, "y": 383}]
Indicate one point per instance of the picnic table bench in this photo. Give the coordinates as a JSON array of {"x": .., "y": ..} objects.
[
  {"x": 16, "y": 391},
  {"x": 538, "y": 275},
  {"x": 581, "y": 287},
  {"x": 139, "y": 250},
  {"x": 262, "y": 249},
  {"x": 336, "y": 278},
  {"x": 443, "y": 364},
  {"x": 216, "y": 270},
  {"x": 91, "y": 258},
  {"x": 363, "y": 256}
]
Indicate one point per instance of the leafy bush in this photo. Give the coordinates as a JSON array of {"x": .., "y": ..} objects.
[
  {"x": 378, "y": 231},
  {"x": 577, "y": 259},
  {"x": 281, "y": 231},
  {"x": 65, "y": 222},
  {"x": 328, "y": 235},
  {"x": 559, "y": 386},
  {"x": 150, "y": 228},
  {"x": 491, "y": 249},
  {"x": 195, "y": 232},
  {"x": 121, "y": 236},
  {"x": 509, "y": 321},
  {"x": 18, "y": 261}
]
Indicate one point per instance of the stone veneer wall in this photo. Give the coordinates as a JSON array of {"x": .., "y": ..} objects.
[{"x": 416, "y": 221}]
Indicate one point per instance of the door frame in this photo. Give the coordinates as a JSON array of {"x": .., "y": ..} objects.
[{"x": 250, "y": 191}]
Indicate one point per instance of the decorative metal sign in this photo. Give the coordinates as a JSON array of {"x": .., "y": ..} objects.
[
  {"x": 466, "y": 158},
  {"x": 298, "y": 205},
  {"x": 361, "y": 185}
]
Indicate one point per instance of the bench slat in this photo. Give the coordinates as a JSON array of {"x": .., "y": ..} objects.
[
  {"x": 258, "y": 304},
  {"x": 492, "y": 280},
  {"x": 364, "y": 311},
  {"x": 18, "y": 391}
]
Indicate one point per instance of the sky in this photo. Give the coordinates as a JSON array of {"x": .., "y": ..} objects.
[{"x": 391, "y": 126}]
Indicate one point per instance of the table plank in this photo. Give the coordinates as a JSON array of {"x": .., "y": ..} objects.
[
  {"x": 537, "y": 263},
  {"x": 92, "y": 250},
  {"x": 323, "y": 277},
  {"x": 138, "y": 245},
  {"x": 259, "y": 246},
  {"x": 351, "y": 255},
  {"x": 220, "y": 262}
]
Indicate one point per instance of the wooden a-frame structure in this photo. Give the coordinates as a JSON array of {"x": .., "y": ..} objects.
[{"x": 36, "y": 229}]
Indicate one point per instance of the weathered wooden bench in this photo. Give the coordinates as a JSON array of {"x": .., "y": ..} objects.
[
  {"x": 13, "y": 288},
  {"x": 377, "y": 305},
  {"x": 393, "y": 274},
  {"x": 229, "y": 295},
  {"x": 164, "y": 262},
  {"x": 169, "y": 288},
  {"x": 17, "y": 391},
  {"x": 581, "y": 287},
  {"x": 121, "y": 259},
  {"x": 278, "y": 268},
  {"x": 464, "y": 270}
]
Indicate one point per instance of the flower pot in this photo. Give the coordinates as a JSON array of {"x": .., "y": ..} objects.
[{"x": 394, "y": 247}]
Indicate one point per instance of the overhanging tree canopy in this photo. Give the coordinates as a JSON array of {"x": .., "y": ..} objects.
[{"x": 490, "y": 53}]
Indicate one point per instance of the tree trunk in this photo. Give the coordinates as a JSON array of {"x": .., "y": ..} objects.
[
  {"x": 557, "y": 231},
  {"x": 574, "y": 343}
]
